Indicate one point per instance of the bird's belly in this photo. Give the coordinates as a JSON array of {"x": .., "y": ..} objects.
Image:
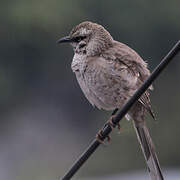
[
  {"x": 91, "y": 93},
  {"x": 101, "y": 87},
  {"x": 112, "y": 95},
  {"x": 101, "y": 90}
]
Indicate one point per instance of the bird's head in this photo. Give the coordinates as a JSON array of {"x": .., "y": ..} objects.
[{"x": 88, "y": 38}]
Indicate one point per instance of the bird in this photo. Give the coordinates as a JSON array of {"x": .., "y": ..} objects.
[{"x": 109, "y": 72}]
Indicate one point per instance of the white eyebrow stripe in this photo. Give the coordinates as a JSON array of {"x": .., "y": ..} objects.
[{"x": 84, "y": 31}]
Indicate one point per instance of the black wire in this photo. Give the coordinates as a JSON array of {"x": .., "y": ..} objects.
[{"x": 106, "y": 130}]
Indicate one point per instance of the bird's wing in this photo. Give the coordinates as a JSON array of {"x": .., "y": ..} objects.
[
  {"x": 134, "y": 64},
  {"x": 145, "y": 101},
  {"x": 141, "y": 72},
  {"x": 123, "y": 56}
]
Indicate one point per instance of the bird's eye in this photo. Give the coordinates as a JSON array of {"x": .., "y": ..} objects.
[{"x": 79, "y": 38}]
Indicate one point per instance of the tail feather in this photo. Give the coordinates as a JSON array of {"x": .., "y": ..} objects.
[{"x": 148, "y": 150}]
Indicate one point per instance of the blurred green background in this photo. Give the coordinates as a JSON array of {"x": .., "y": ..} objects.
[{"x": 46, "y": 122}]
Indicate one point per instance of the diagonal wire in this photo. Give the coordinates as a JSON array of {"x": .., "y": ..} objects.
[{"x": 106, "y": 130}]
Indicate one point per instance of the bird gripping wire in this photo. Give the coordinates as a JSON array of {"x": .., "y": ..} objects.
[{"x": 106, "y": 130}]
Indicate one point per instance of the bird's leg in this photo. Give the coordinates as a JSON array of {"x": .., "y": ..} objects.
[
  {"x": 111, "y": 124},
  {"x": 99, "y": 137},
  {"x": 114, "y": 112},
  {"x": 110, "y": 121}
]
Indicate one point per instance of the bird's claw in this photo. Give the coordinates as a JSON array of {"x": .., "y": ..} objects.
[
  {"x": 113, "y": 125},
  {"x": 99, "y": 137}
]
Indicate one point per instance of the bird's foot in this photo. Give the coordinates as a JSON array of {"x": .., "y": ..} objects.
[
  {"x": 112, "y": 124},
  {"x": 110, "y": 121},
  {"x": 99, "y": 138}
]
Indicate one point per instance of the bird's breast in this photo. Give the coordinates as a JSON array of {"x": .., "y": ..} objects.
[
  {"x": 78, "y": 62},
  {"x": 100, "y": 84}
]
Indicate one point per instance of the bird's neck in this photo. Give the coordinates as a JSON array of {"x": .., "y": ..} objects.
[{"x": 97, "y": 46}]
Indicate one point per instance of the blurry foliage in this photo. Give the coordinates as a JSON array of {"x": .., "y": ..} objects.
[{"x": 34, "y": 68}]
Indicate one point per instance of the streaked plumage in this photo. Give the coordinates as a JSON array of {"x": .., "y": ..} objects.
[{"x": 109, "y": 73}]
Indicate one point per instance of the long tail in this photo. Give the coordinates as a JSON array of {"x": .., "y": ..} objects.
[{"x": 148, "y": 150}]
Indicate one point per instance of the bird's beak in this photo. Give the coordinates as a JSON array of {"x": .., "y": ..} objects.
[{"x": 64, "y": 40}]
